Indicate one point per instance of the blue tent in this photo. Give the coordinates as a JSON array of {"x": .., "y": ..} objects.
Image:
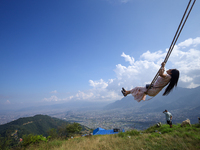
[{"x": 101, "y": 131}]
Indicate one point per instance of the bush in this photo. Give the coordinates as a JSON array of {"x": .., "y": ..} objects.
[
  {"x": 32, "y": 139},
  {"x": 53, "y": 133},
  {"x": 74, "y": 128}
]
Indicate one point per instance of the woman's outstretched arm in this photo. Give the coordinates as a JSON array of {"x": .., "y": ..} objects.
[{"x": 162, "y": 70}]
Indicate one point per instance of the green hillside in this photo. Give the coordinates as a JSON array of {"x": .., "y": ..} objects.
[
  {"x": 153, "y": 138},
  {"x": 37, "y": 125}
]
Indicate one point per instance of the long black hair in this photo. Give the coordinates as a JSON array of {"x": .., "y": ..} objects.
[{"x": 173, "y": 82}]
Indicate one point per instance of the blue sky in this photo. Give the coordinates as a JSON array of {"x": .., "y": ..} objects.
[{"x": 56, "y": 51}]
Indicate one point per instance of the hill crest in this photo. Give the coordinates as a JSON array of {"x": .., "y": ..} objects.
[{"x": 38, "y": 124}]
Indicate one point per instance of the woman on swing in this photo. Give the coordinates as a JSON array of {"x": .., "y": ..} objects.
[{"x": 172, "y": 76}]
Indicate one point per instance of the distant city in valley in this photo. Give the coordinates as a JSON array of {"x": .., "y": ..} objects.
[
  {"x": 109, "y": 119},
  {"x": 124, "y": 114}
]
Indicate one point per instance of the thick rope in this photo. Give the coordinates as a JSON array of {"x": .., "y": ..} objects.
[{"x": 176, "y": 36}]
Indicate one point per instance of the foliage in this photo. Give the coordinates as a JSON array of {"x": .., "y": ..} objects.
[
  {"x": 53, "y": 133},
  {"x": 7, "y": 141},
  {"x": 3, "y": 143},
  {"x": 32, "y": 139},
  {"x": 74, "y": 128},
  {"x": 62, "y": 133}
]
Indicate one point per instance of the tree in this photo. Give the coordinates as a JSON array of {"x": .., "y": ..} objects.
[
  {"x": 74, "y": 128},
  {"x": 62, "y": 133},
  {"x": 1, "y": 142},
  {"x": 6, "y": 142},
  {"x": 53, "y": 133}
]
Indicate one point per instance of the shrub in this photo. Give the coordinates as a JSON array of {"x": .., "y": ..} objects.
[
  {"x": 73, "y": 128},
  {"x": 53, "y": 133},
  {"x": 32, "y": 139}
]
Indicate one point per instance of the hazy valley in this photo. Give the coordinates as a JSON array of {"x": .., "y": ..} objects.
[{"x": 125, "y": 113}]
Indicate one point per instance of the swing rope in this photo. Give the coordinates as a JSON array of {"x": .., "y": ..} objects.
[{"x": 176, "y": 36}]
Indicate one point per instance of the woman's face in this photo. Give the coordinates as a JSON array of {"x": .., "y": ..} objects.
[{"x": 169, "y": 71}]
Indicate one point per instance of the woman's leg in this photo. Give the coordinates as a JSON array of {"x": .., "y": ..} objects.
[
  {"x": 128, "y": 92},
  {"x": 144, "y": 97},
  {"x": 137, "y": 93}
]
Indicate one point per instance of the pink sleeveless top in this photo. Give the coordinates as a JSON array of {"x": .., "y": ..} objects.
[{"x": 159, "y": 85}]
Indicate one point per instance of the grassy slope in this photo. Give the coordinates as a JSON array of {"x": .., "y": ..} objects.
[
  {"x": 176, "y": 138},
  {"x": 39, "y": 124}
]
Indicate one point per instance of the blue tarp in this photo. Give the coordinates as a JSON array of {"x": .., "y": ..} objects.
[{"x": 101, "y": 131}]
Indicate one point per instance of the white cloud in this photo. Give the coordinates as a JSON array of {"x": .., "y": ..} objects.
[
  {"x": 190, "y": 42},
  {"x": 54, "y": 92},
  {"x": 193, "y": 85},
  {"x": 128, "y": 58},
  {"x": 156, "y": 56},
  {"x": 84, "y": 96},
  {"x": 185, "y": 78},
  {"x": 52, "y": 98},
  {"x": 186, "y": 61},
  {"x": 98, "y": 84}
]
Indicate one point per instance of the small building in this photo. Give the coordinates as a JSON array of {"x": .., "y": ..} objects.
[{"x": 101, "y": 131}]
